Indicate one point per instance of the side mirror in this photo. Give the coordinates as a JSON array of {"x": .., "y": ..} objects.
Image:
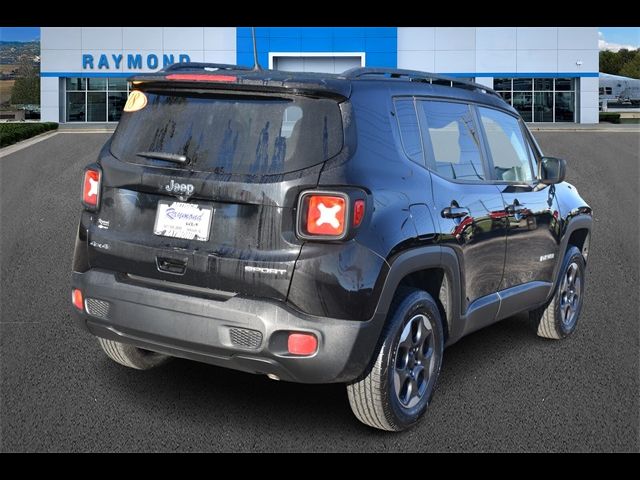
[{"x": 551, "y": 170}]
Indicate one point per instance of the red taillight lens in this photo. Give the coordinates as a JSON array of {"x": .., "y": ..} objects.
[
  {"x": 201, "y": 78},
  {"x": 358, "y": 212},
  {"x": 302, "y": 343},
  {"x": 325, "y": 215},
  {"x": 76, "y": 299},
  {"x": 91, "y": 187}
]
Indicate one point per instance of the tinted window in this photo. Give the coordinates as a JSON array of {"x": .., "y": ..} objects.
[
  {"x": 118, "y": 84},
  {"x": 96, "y": 83},
  {"x": 454, "y": 140},
  {"x": 522, "y": 84},
  {"x": 523, "y": 103},
  {"x": 507, "y": 146},
  {"x": 76, "y": 84},
  {"x": 564, "y": 84},
  {"x": 502, "y": 84},
  {"x": 409, "y": 129},
  {"x": 232, "y": 133},
  {"x": 540, "y": 84},
  {"x": 565, "y": 106}
]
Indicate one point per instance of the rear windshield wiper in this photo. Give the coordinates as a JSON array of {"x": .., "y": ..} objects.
[{"x": 169, "y": 157}]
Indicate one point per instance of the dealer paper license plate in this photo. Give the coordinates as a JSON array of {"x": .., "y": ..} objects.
[{"x": 183, "y": 220}]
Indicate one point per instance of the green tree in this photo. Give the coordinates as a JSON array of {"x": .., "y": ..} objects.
[
  {"x": 614, "y": 62},
  {"x": 609, "y": 62},
  {"x": 26, "y": 90},
  {"x": 632, "y": 67}
]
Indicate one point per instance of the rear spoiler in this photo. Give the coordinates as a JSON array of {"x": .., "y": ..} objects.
[{"x": 206, "y": 77}]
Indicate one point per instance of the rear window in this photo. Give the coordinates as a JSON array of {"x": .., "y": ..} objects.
[{"x": 232, "y": 134}]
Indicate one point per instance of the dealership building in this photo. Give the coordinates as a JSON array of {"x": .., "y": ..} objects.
[{"x": 549, "y": 74}]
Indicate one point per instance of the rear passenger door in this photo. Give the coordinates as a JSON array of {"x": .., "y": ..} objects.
[
  {"x": 468, "y": 206},
  {"x": 530, "y": 208}
]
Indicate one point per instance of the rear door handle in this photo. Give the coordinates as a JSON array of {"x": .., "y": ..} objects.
[
  {"x": 171, "y": 265},
  {"x": 454, "y": 212}
]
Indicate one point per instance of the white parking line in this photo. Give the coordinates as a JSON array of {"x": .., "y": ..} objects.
[{"x": 86, "y": 131}]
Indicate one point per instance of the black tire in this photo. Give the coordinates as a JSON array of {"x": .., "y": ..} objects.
[
  {"x": 374, "y": 398},
  {"x": 559, "y": 318},
  {"x": 131, "y": 356}
]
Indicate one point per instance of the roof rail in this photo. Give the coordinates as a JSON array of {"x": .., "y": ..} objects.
[
  {"x": 204, "y": 66},
  {"x": 415, "y": 76}
]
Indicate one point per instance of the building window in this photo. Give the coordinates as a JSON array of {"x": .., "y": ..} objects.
[
  {"x": 539, "y": 99},
  {"x": 76, "y": 107},
  {"x": 95, "y": 99}
]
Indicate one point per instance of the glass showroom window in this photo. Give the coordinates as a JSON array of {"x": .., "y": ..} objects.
[
  {"x": 539, "y": 99},
  {"x": 76, "y": 104},
  {"x": 117, "y": 97},
  {"x": 95, "y": 99}
]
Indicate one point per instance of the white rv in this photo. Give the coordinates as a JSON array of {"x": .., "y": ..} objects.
[{"x": 617, "y": 89}]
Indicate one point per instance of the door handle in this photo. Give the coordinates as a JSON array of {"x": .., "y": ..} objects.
[
  {"x": 171, "y": 265},
  {"x": 454, "y": 212},
  {"x": 515, "y": 208}
]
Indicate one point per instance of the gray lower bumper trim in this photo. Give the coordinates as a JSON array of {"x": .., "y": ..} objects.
[{"x": 199, "y": 329}]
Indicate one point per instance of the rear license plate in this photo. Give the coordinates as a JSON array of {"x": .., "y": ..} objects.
[{"x": 183, "y": 220}]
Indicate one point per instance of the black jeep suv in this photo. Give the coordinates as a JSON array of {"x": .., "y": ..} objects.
[{"x": 323, "y": 228}]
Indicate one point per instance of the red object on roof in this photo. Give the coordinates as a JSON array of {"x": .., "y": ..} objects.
[{"x": 201, "y": 78}]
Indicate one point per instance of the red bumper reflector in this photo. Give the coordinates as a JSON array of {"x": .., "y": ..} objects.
[
  {"x": 76, "y": 298},
  {"x": 201, "y": 78},
  {"x": 302, "y": 343},
  {"x": 358, "y": 212}
]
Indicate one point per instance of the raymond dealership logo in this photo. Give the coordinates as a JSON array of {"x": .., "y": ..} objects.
[{"x": 130, "y": 61}]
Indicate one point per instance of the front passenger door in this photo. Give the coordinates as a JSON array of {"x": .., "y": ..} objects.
[{"x": 531, "y": 210}]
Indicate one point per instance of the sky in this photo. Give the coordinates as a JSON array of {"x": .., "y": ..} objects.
[
  {"x": 19, "y": 34},
  {"x": 610, "y": 38},
  {"x": 615, "y": 38}
]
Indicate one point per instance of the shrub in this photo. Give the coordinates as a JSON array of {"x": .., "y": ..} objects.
[
  {"x": 14, "y": 132},
  {"x": 610, "y": 117}
]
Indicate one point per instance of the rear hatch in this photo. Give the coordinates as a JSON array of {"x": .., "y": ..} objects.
[{"x": 199, "y": 186}]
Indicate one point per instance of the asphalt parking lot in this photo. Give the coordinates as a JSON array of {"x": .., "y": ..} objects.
[{"x": 501, "y": 389}]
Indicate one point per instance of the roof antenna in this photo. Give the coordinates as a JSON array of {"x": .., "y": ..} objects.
[{"x": 256, "y": 65}]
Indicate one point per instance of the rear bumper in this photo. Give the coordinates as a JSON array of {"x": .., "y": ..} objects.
[{"x": 238, "y": 333}]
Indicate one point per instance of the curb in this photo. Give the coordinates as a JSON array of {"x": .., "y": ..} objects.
[
  {"x": 583, "y": 130},
  {"x": 9, "y": 149}
]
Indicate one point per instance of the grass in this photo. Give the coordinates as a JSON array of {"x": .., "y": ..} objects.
[
  {"x": 5, "y": 90},
  {"x": 11, "y": 133}
]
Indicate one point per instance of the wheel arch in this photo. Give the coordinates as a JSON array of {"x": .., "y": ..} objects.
[
  {"x": 432, "y": 268},
  {"x": 580, "y": 237},
  {"x": 577, "y": 233}
]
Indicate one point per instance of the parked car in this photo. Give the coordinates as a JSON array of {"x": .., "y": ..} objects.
[{"x": 322, "y": 228}]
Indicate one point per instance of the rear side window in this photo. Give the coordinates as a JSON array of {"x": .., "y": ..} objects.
[
  {"x": 233, "y": 134},
  {"x": 506, "y": 145},
  {"x": 454, "y": 140},
  {"x": 409, "y": 129}
]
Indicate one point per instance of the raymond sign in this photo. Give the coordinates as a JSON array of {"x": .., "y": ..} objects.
[{"x": 130, "y": 61}]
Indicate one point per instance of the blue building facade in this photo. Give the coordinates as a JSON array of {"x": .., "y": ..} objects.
[{"x": 549, "y": 74}]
